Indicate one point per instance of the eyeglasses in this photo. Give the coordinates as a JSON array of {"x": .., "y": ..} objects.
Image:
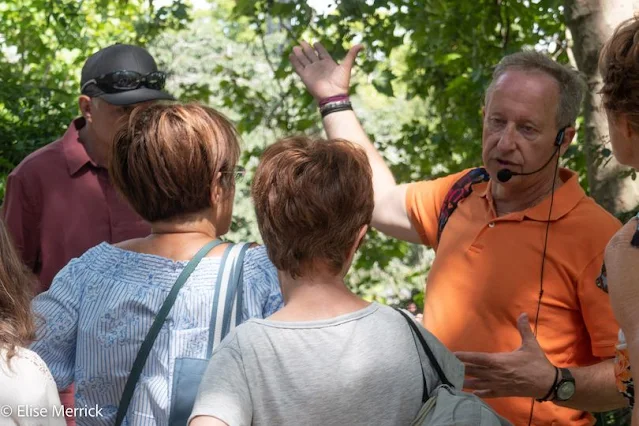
[
  {"x": 118, "y": 81},
  {"x": 238, "y": 173}
]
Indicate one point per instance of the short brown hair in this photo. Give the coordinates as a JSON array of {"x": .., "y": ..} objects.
[
  {"x": 619, "y": 68},
  {"x": 16, "y": 284},
  {"x": 311, "y": 199},
  {"x": 570, "y": 83},
  {"x": 165, "y": 158}
]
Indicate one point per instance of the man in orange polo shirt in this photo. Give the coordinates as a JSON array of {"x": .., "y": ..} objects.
[{"x": 502, "y": 234}]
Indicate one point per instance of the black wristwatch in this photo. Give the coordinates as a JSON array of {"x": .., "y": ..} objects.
[{"x": 565, "y": 388}]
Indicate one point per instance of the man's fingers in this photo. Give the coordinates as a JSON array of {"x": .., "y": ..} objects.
[
  {"x": 300, "y": 56},
  {"x": 526, "y": 333},
  {"x": 478, "y": 371},
  {"x": 297, "y": 65},
  {"x": 309, "y": 52},
  {"x": 322, "y": 53},
  {"x": 477, "y": 358},
  {"x": 349, "y": 60}
]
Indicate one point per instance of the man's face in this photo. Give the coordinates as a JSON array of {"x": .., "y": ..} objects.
[
  {"x": 104, "y": 119},
  {"x": 520, "y": 125}
]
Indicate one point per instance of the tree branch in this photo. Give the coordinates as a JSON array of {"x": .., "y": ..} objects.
[
  {"x": 283, "y": 96},
  {"x": 507, "y": 26}
]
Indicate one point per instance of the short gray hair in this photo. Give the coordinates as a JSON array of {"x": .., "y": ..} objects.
[{"x": 571, "y": 85}]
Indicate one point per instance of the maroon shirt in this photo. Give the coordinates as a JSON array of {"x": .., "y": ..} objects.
[{"x": 59, "y": 203}]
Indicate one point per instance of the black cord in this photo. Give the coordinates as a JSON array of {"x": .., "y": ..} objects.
[{"x": 543, "y": 263}]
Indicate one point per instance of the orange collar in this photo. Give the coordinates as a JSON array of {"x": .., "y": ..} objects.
[{"x": 564, "y": 200}]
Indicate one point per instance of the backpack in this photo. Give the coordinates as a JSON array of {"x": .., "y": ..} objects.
[
  {"x": 460, "y": 190},
  {"x": 447, "y": 406}
]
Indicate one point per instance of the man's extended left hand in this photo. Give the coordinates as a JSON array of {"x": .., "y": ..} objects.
[{"x": 523, "y": 372}]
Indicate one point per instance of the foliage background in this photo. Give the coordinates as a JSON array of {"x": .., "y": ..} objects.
[{"x": 419, "y": 84}]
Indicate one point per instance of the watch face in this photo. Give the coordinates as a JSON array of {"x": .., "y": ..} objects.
[{"x": 565, "y": 391}]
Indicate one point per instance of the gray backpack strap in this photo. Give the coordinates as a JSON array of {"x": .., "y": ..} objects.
[
  {"x": 429, "y": 353},
  {"x": 417, "y": 335},
  {"x": 228, "y": 289}
]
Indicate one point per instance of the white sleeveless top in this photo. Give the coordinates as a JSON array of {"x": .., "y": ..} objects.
[{"x": 28, "y": 394}]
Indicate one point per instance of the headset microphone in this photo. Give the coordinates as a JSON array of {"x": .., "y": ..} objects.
[{"x": 504, "y": 175}]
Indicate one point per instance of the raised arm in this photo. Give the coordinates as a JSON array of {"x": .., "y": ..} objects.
[{"x": 324, "y": 78}]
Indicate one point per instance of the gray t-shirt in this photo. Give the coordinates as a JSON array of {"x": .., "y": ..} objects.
[{"x": 360, "y": 368}]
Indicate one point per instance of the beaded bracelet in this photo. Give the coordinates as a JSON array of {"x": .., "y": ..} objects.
[
  {"x": 334, "y": 104},
  {"x": 335, "y": 107},
  {"x": 336, "y": 98}
]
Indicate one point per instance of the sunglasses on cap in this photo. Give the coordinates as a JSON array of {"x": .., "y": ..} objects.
[{"x": 119, "y": 81}]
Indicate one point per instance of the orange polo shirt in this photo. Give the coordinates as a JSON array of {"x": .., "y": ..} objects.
[{"x": 487, "y": 271}]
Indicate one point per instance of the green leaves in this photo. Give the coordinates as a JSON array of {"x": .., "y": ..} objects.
[{"x": 383, "y": 83}]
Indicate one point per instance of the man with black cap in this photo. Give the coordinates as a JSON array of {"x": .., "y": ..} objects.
[{"x": 59, "y": 201}]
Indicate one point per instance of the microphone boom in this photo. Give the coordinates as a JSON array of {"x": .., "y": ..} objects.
[{"x": 504, "y": 175}]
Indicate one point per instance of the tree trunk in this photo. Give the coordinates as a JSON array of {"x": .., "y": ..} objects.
[{"x": 591, "y": 23}]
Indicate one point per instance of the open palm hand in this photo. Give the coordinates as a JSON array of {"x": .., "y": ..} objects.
[{"x": 321, "y": 75}]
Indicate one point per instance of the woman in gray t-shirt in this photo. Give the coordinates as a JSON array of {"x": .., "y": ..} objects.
[{"x": 328, "y": 357}]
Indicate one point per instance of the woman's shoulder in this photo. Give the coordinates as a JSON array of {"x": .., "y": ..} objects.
[
  {"x": 452, "y": 367},
  {"x": 23, "y": 363},
  {"x": 257, "y": 257},
  {"x": 120, "y": 265},
  {"x": 257, "y": 267},
  {"x": 261, "y": 284},
  {"x": 25, "y": 379}
]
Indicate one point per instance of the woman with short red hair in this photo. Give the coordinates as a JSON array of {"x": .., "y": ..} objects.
[{"x": 328, "y": 357}]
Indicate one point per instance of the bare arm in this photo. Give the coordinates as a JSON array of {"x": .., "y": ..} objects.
[
  {"x": 325, "y": 78},
  {"x": 527, "y": 372},
  {"x": 390, "y": 215},
  {"x": 595, "y": 389},
  {"x": 207, "y": 421},
  {"x": 622, "y": 265}
]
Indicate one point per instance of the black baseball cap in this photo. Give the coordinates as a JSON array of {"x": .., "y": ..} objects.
[{"x": 121, "y": 57}]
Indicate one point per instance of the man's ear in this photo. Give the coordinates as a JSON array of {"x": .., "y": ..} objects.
[
  {"x": 569, "y": 135},
  {"x": 86, "y": 107}
]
